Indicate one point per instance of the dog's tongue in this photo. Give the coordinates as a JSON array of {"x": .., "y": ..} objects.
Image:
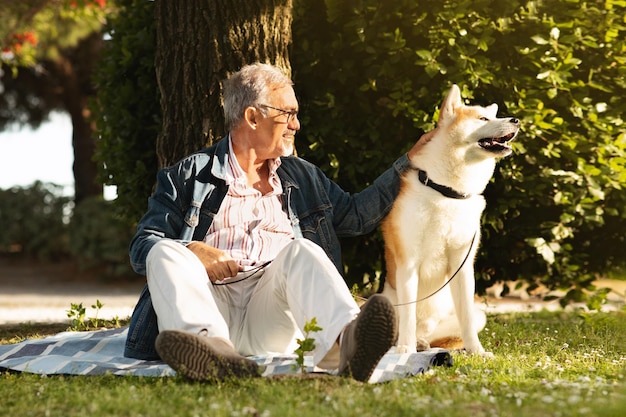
[{"x": 504, "y": 139}]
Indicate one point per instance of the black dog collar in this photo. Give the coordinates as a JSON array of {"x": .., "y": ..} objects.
[{"x": 444, "y": 190}]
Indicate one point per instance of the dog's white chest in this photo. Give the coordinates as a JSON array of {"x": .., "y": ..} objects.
[{"x": 433, "y": 225}]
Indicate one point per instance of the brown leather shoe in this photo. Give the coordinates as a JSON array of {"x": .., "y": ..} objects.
[
  {"x": 201, "y": 358},
  {"x": 367, "y": 338}
]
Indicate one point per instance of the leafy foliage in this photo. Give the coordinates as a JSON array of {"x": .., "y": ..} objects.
[
  {"x": 370, "y": 76},
  {"x": 372, "y": 73},
  {"x": 98, "y": 237},
  {"x": 34, "y": 30},
  {"x": 33, "y": 221},
  {"x": 32, "y": 35},
  {"x": 38, "y": 222},
  {"x": 127, "y": 110}
]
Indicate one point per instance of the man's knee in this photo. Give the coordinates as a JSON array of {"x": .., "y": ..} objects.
[
  {"x": 164, "y": 248},
  {"x": 306, "y": 248},
  {"x": 303, "y": 244}
]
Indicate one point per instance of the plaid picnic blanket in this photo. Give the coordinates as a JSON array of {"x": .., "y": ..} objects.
[{"x": 101, "y": 352}]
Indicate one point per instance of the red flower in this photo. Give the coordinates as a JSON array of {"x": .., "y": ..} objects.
[{"x": 31, "y": 38}]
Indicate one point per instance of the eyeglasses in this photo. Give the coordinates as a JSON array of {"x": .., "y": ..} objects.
[{"x": 291, "y": 114}]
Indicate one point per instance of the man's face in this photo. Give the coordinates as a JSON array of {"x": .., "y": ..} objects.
[{"x": 277, "y": 130}]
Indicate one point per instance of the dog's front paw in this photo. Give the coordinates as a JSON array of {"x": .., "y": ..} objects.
[
  {"x": 484, "y": 355},
  {"x": 404, "y": 349},
  {"x": 479, "y": 351}
]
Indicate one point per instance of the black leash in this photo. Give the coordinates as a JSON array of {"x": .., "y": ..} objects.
[
  {"x": 449, "y": 279},
  {"x": 450, "y": 193},
  {"x": 469, "y": 251}
]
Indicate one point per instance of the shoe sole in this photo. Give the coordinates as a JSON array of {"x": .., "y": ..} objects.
[
  {"x": 375, "y": 333},
  {"x": 194, "y": 357}
]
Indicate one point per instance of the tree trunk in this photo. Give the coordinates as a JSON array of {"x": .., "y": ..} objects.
[
  {"x": 73, "y": 69},
  {"x": 200, "y": 42}
]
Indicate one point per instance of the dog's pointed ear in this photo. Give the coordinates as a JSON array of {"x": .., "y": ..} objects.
[
  {"x": 450, "y": 103},
  {"x": 493, "y": 109}
]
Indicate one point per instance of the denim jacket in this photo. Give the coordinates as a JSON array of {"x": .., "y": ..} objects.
[{"x": 188, "y": 196}]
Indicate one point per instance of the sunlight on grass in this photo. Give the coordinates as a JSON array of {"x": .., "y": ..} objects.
[{"x": 546, "y": 364}]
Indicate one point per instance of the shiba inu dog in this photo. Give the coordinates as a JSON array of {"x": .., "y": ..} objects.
[{"x": 433, "y": 230}]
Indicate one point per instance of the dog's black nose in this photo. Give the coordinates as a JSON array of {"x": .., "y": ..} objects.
[{"x": 514, "y": 121}]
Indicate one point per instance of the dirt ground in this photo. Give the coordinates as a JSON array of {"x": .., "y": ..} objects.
[{"x": 43, "y": 293}]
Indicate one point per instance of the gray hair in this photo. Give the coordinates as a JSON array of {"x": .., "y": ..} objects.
[{"x": 250, "y": 86}]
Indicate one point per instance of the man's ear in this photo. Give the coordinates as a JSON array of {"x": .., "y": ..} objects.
[{"x": 251, "y": 116}]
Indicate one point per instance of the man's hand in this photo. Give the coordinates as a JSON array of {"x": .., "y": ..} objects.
[
  {"x": 218, "y": 265},
  {"x": 421, "y": 142}
]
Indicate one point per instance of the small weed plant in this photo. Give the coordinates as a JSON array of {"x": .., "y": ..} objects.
[
  {"x": 78, "y": 318},
  {"x": 98, "y": 306},
  {"x": 307, "y": 344},
  {"x": 76, "y": 314}
]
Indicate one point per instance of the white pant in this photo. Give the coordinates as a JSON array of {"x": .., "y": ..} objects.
[{"x": 261, "y": 314}]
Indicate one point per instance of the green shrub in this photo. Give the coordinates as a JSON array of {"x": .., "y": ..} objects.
[
  {"x": 39, "y": 223},
  {"x": 128, "y": 112},
  {"x": 34, "y": 221},
  {"x": 370, "y": 75},
  {"x": 99, "y": 238}
]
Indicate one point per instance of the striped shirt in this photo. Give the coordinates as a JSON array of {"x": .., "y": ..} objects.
[{"x": 250, "y": 227}]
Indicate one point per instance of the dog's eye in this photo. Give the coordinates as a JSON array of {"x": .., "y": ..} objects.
[{"x": 484, "y": 119}]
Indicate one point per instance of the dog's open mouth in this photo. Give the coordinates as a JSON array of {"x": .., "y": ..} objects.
[{"x": 497, "y": 145}]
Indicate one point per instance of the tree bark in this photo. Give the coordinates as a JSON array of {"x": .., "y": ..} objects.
[
  {"x": 73, "y": 71},
  {"x": 200, "y": 42}
]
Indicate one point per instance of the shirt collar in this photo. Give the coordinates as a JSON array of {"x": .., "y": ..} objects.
[{"x": 235, "y": 175}]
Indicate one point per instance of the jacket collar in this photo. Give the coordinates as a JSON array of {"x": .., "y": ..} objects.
[{"x": 220, "y": 162}]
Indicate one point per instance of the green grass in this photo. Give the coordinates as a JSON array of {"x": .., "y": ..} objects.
[{"x": 546, "y": 364}]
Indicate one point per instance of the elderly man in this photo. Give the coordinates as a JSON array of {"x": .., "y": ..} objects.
[{"x": 240, "y": 248}]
